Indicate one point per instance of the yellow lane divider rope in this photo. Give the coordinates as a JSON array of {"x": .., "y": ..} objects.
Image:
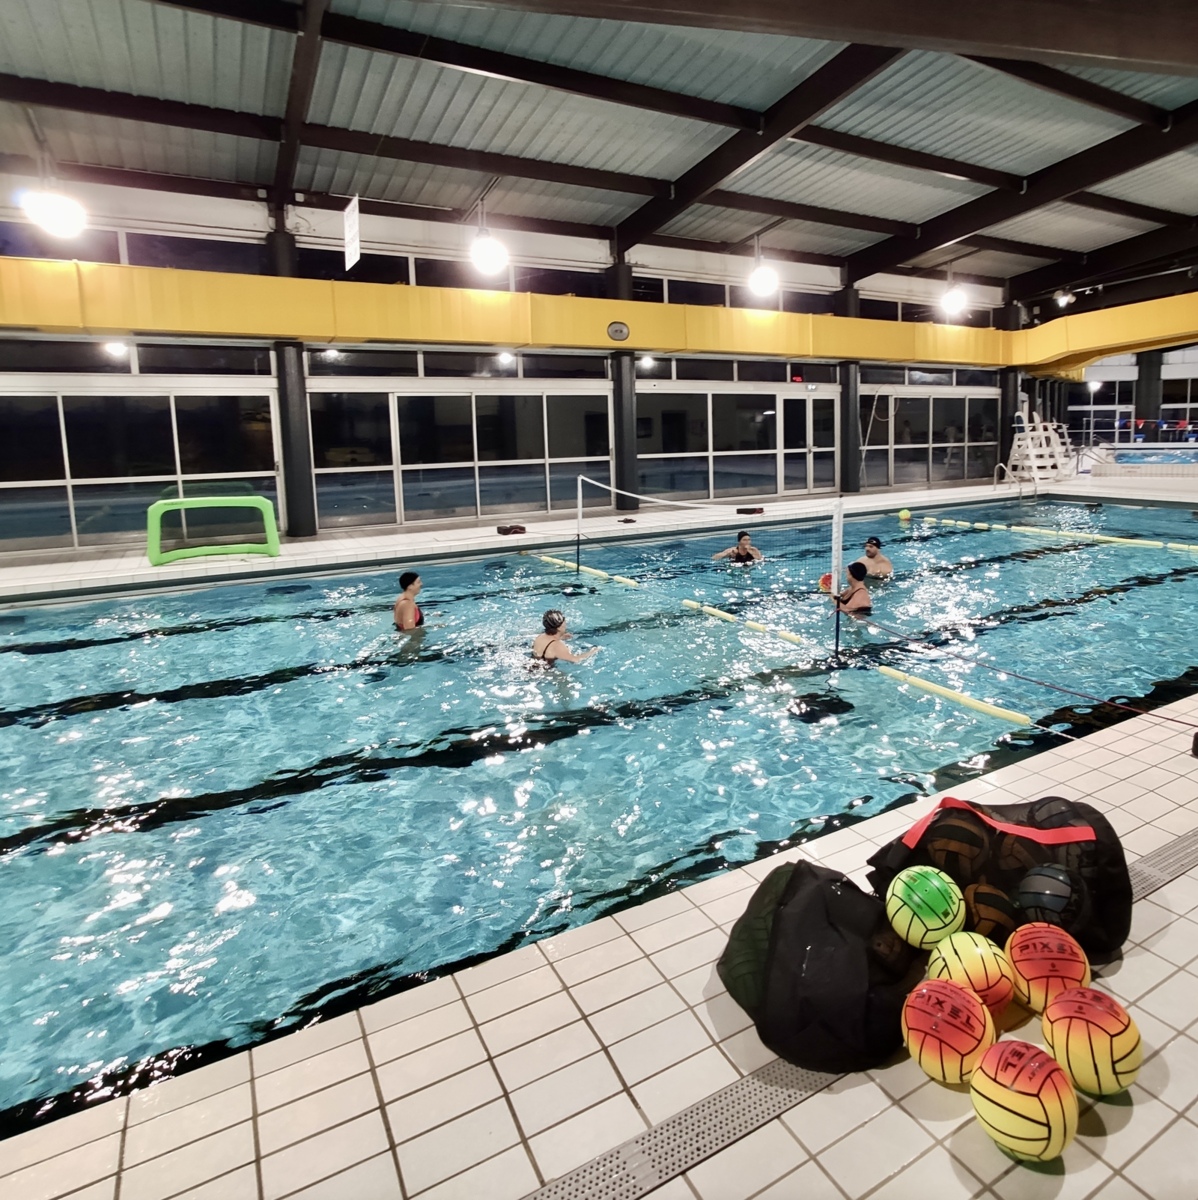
[
  {"x": 721, "y": 615},
  {"x": 1068, "y": 535},
  {"x": 926, "y": 685}
]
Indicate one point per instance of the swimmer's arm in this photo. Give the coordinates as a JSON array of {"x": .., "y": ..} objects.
[
  {"x": 724, "y": 553},
  {"x": 569, "y": 656},
  {"x": 756, "y": 553}
]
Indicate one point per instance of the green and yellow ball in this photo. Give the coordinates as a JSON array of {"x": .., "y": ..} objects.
[
  {"x": 1024, "y": 1101},
  {"x": 924, "y": 906},
  {"x": 977, "y": 963},
  {"x": 1094, "y": 1039}
]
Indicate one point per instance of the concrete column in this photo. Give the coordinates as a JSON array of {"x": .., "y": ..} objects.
[
  {"x": 1010, "y": 316},
  {"x": 623, "y": 374},
  {"x": 299, "y": 484},
  {"x": 282, "y": 252},
  {"x": 1149, "y": 390}
]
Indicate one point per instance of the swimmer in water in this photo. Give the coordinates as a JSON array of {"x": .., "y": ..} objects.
[
  {"x": 855, "y": 599},
  {"x": 743, "y": 553},
  {"x": 407, "y": 615},
  {"x": 550, "y": 647},
  {"x": 876, "y": 563}
]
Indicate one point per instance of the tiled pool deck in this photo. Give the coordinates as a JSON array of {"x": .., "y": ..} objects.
[
  {"x": 495, "y": 1080},
  {"x": 488, "y": 1083}
]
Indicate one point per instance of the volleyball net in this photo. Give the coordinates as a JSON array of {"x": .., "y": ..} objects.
[{"x": 811, "y": 541}]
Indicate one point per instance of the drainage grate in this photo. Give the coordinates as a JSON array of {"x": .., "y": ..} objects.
[
  {"x": 684, "y": 1140},
  {"x": 687, "y": 1138}
]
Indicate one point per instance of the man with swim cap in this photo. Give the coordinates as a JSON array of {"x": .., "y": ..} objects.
[
  {"x": 873, "y": 560},
  {"x": 744, "y": 552}
]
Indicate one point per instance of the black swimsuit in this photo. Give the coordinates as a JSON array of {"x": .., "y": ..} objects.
[
  {"x": 540, "y": 659},
  {"x": 742, "y": 559}
]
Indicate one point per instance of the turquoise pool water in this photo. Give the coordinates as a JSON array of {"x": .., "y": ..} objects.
[
  {"x": 1158, "y": 457},
  {"x": 228, "y": 812}
]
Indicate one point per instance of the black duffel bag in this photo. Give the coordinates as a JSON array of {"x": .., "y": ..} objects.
[
  {"x": 815, "y": 963},
  {"x": 999, "y": 845}
]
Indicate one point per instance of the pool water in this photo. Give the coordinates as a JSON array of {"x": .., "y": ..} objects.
[
  {"x": 1158, "y": 457},
  {"x": 228, "y": 812}
]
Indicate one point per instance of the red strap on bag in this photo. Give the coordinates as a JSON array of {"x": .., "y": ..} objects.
[{"x": 1046, "y": 837}]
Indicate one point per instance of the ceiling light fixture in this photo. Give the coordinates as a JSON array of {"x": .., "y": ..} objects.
[
  {"x": 646, "y": 362},
  {"x": 332, "y": 354},
  {"x": 1063, "y": 298},
  {"x": 58, "y": 215},
  {"x": 116, "y": 349},
  {"x": 764, "y": 280},
  {"x": 505, "y": 358},
  {"x": 1095, "y": 385},
  {"x": 488, "y": 254}
]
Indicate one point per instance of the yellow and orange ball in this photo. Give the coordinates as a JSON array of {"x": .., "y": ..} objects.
[
  {"x": 977, "y": 963},
  {"x": 1046, "y": 961},
  {"x": 1094, "y": 1039},
  {"x": 947, "y": 1029}
]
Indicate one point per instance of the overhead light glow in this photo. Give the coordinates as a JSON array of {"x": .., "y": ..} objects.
[
  {"x": 1094, "y": 385},
  {"x": 332, "y": 354},
  {"x": 506, "y": 358},
  {"x": 763, "y": 281},
  {"x": 488, "y": 254},
  {"x": 646, "y": 362},
  {"x": 1063, "y": 298},
  {"x": 58, "y": 215},
  {"x": 116, "y": 349},
  {"x": 954, "y": 302}
]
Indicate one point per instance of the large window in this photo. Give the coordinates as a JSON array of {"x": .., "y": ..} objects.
[
  {"x": 917, "y": 440},
  {"x": 81, "y": 468},
  {"x": 456, "y": 454},
  {"x": 695, "y": 445}
]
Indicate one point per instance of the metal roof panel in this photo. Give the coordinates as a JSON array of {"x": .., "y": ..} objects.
[
  {"x": 1167, "y": 183},
  {"x": 1167, "y": 91},
  {"x": 403, "y": 97},
  {"x": 807, "y": 174},
  {"x": 751, "y": 70},
  {"x": 959, "y": 109},
  {"x": 149, "y": 50},
  {"x": 1069, "y": 227}
]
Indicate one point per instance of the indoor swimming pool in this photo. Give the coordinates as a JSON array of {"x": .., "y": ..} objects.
[{"x": 231, "y": 811}]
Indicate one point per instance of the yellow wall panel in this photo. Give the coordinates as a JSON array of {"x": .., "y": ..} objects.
[
  {"x": 38, "y": 294},
  {"x": 390, "y": 312},
  {"x": 158, "y": 300},
  {"x": 104, "y": 298},
  {"x": 581, "y": 323}
]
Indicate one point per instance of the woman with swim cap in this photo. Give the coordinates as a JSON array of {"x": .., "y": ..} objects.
[
  {"x": 744, "y": 552},
  {"x": 407, "y": 615},
  {"x": 550, "y": 647},
  {"x": 855, "y": 599}
]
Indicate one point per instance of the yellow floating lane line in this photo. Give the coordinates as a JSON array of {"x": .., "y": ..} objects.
[
  {"x": 756, "y": 626},
  {"x": 926, "y": 685},
  {"x": 598, "y": 574},
  {"x": 625, "y": 580},
  {"x": 692, "y": 604},
  {"x": 717, "y": 612}
]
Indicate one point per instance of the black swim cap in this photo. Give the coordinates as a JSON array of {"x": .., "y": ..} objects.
[
  {"x": 407, "y": 579},
  {"x": 553, "y": 620},
  {"x": 857, "y": 570},
  {"x": 873, "y": 541},
  {"x": 743, "y": 534}
]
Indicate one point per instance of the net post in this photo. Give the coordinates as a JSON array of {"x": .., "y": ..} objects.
[
  {"x": 837, "y": 545},
  {"x": 578, "y": 529},
  {"x": 838, "y": 635}
]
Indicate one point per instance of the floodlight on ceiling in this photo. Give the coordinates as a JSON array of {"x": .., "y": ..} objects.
[
  {"x": 116, "y": 349},
  {"x": 1095, "y": 385},
  {"x": 488, "y": 254},
  {"x": 646, "y": 362},
  {"x": 763, "y": 281},
  {"x": 58, "y": 215},
  {"x": 331, "y": 354},
  {"x": 1063, "y": 298},
  {"x": 505, "y": 358},
  {"x": 954, "y": 301}
]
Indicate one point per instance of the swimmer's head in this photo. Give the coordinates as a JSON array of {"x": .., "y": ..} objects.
[
  {"x": 743, "y": 536},
  {"x": 872, "y": 546},
  {"x": 553, "y": 620},
  {"x": 407, "y": 579},
  {"x": 857, "y": 570}
]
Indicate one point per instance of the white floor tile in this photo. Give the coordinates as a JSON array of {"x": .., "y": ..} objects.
[
  {"x": 507, "y": 1176},
  {"x": 405, "y": 1037},
  {"x": 327, "y": 1154},
  {"x": 190, "y": 1165},
  {"x": 1171, "y": 1074},
  {"x": 439, "y": 1061},
  {"x": 241, "y": 1184},
  {"x": 876, "y": 1150},
  {"x": 515, "y": 993},
  {"x": 447, "y": 1100},
  {"x": 186, "y": 1089},
  {"x": 284, "y": 1051},
  {"x": 1176, "y": 943},
  {"x": 585, "y": 1136},
  {"x": 546, "y": 1055},
  {"x": 722, "y": 1016},
  {"x": 76, "y": 1168},
  {"x": 310, "y": 1075},
  {"x": 311, "y": 1115},
  {"x": 57, "y": 1137},
  {"x": 598, "y": 960},
  {"x": 411, "y": 1003},
  {"x": 836, "y": 1111},
  {"x": 1166, "y": 1168},
  {"x": 374, "y": 1179},
  {"x": 809, "y": 1182},
  {"x": 450, "y": 1149},
  {"x": 555, "y": 1097},
  {"x": 660, "y": 1046},
  {"x": 656, "y": 937},
  {"x": 937, "y": 1174},
  {"x": 615, "y": 986},
  {"x": 1071, "y": 1177},
  {"x": 695, "y": 952},
  {"x": 526, "y": 1024},
  {"x": 661, "y": 909},
  {"x": 637, "y": 1013},
  {"x": 1117, "y": 1129},
  {"x": 749, "y": 1165},
  {"x": 574, "y": 941},
  {"x": 500, "y": 969},
  {"x": 182, "y": 1125},
  {"x": 680, "y": 1086}
]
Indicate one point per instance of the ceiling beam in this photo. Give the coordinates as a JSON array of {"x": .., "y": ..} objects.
[
  {"x": 272, "y": 14},
  {"x": 305, "y": 62},
  {"x": 1116, "y": 156},
  {"x": 19, "y": 90},
  {"x": 849, "y": 143},
  {"x": 789, "y": 211},
  {"x": 743, "y": 251},
  {"x": 1155, "y": 35},
  {"x": 828, "y": 85},
  {"x": 1073, "y": 87},
  {"x": 1127, "y": 208},
  {"x": 1156, "y": 248},
  {"x": 387, "y": 39},
  {"x": 1178, "y": 281},
  {"x": 353, "y": 141},
  {"x": 982, "y": 241}
]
